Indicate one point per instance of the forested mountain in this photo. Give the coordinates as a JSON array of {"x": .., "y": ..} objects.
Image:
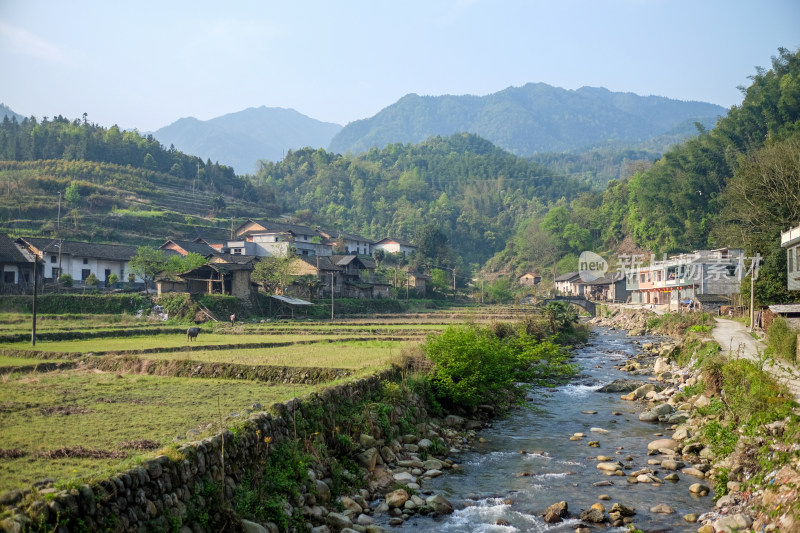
[
  {"x": 737, "y": 185},
  {"x": 6, "y": 111},
  {"x": 472, "y": 191},
  {"x": 525, "y": 120},
  {"x": 242, "y": 139},
  {"x": 116, "y": 186}
]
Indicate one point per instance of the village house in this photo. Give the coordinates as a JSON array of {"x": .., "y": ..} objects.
[
  {"x": 349, "y": 276},
  {"x": 81, "y": 259},
  {"x": 417, "y": 281},
  {"x": 791, "y": 241},
  {"x": 529, "y": 279},
  {"x": 394, "y": 246},
  {"x": 198, "y": 246},
  {"x": 262, "y": 238},
  {"x": 679, "y": 279},
  {"x": 353, "y": 244},
  {"x": 569, "y": 284},
  {"x": 609, "y": 288},
  {"x": 16, "y": 266}
]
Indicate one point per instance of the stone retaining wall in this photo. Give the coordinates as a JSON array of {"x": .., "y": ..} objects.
[{"x": 164, "y": 494}]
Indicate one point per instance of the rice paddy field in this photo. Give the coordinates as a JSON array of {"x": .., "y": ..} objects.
[{"x": 85, "y": 401}]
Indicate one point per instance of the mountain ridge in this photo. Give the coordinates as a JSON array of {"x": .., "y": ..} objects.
[{"x": 525, "y": 120}]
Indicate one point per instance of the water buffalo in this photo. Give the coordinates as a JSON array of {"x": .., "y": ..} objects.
[{"x": 191, "y": 333}]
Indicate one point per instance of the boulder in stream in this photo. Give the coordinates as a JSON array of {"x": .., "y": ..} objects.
[{"x": 621, "y": 385}]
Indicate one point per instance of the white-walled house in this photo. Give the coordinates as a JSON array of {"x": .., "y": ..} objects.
[
  {"x": 394, "y": 246},
  {"x": 262, "y": 238},
  {"x": 790, "y": 240},
  {"x": 80, "y": 259}
]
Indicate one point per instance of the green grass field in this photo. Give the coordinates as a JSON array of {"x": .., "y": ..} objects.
[{"x": 81, "y": 424}]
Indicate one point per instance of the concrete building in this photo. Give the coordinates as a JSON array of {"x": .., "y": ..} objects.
[{"x": 791, "y": 241}]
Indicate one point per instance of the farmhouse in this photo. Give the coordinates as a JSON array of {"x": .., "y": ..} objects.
[
  {"x": 569, "y": 284},
  {"x": 394, "y": 246},
  {"x": 16, "y": 265},
  {"x": 80, "y": 259},
  {"x": 529, "y": 279}
]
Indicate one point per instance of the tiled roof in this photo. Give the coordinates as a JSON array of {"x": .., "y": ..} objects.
[
  {"x": 10, "y": 252},
  {"x": 567, "y": 277},
  {"x": 401, "y": 242},
  {"x": 192, "y": 247},
  {"x": 324, "y": 262},
  {"x": 279, "y": 227},
  {"x": 113, "y": 252}
]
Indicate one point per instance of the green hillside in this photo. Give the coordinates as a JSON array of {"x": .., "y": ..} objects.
[
  {"x": 530, "y": 119},
  {"x": 117, "y": 186},
  {"x": 737, "y": 185}
]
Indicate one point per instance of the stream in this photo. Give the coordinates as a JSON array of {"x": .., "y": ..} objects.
[{"x": 559, "y": 469}]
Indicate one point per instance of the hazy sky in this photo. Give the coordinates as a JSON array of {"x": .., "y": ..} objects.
[{"x": 145, "y": 64}]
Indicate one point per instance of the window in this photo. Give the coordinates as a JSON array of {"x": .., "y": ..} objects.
[
  {"x": 85, "y": 260},
  {"x": 85, "y": 273},
  {"x": 641, "y": 278},
  {"x": 53, "y": 259},
  {"x": 56, "y": 273},
  {"x": 9, "y": 277},
  {"x": 791, "y": 256}
]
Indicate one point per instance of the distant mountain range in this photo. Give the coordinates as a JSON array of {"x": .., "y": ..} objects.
[
  {"x": 241, "y": 139},
  {"x": 6, "y": 111},
  {"x": 530, "y": 119}
]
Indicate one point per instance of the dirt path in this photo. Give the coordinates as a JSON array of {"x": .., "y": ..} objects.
[{"x": 737, "y": 342}]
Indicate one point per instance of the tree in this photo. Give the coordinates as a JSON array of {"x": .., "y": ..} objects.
[
  {"x": 440, "y": 282},
  {"x": 273, "y": 273},
  {"x": 92, "y": 280},
  {"x": 183, "y": 263},
  {"x": 147, "y": 263},
  {"x": 378, "y": 254},
  {"x": 149, "y": 162},
  {"x": 73, "y": 194},
  {"x": 113, "y": 279}
]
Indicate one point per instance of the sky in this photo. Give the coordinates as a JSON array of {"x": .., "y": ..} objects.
[{"x": 145, "y": 64}]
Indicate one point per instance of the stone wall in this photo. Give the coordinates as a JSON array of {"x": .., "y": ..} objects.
[{"x": 165, "y": 493}]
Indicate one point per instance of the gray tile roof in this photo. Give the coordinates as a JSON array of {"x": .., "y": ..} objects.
[
  {"x": 10, "y": 251},
  {"x": 112, "y": 252}
]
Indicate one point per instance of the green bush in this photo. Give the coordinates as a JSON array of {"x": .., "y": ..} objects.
[
  {"x": 65, "y": 280},
  {"x": 58, "y": 304},
  {"x": 473, "y": 365},
  {"x": 782, "y": 340}
]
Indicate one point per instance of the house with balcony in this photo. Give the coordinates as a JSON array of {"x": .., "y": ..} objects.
[
  {"x": 681, "y": 278},
  {"x": 264, "y": 238}
]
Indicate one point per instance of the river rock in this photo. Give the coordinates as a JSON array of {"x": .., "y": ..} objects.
[
  {"x": 367, "y": 441},
  {"x": 338, "y": 521},
  {"x": 691, "y": 471},
  {"x": 663, "y": 409},
  {"x": 660, "y": 366},
  {"x": 323, "y": 491},
  {"x": 730, "y": 523},
  {"x": 439, "y": 504},
  {"x": 672, "y": 464},
  {"x": 604, "y": 458},
  {"x": 702, "y": 401},
  {"x": 556, "y": 512},
  {"x": 595, "y": 516},
  {"x": 623, "y": 509},
  {"x": 691, "y": 517},
  {"x": 672, "y": 477},
  {"x": 642, "y": 391},
  {"x": 388, "y": 455},
  {"x": 404, "y": 478},
  {"x": 662, "y": 508},
  {"x": 648, "y": 416},
  {"x": 621, "y": 385},
  {"x": 368, "y": 458},
  {"x": 252, "y": 527},
  {"x": 682, "y": 433},
  {"x": 699, "y": 488},
  {"x": 433, "y": 464},
  {"x": 609, "y": 467},
  {"x": 425, "y": 444},
  {"x": 397, "y": 498},
  {"x": 454, "y": 421},
  {"x": 350, "y": 505},
  {"x": 663, "y": 444},
  {"x": 599, "y": 430}
]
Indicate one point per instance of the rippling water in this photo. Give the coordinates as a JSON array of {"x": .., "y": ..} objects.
[{"x": 560, "y": 469}]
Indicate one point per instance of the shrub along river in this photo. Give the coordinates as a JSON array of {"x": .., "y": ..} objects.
[{"x": 528, "y": 462}]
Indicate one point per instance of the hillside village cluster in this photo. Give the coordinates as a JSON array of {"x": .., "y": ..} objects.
[
  {"x": 703, "y": 279},
  {"x": 230, "y": 262}
]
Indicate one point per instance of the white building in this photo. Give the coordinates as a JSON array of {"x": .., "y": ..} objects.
[{"x": 81, "y": 259}]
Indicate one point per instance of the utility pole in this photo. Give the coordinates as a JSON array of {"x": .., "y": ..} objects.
[
  {"x": 35, "y": 290},
  {"x": 58, "y": 220},
  {"x": 407, "y": 284},
  {"x": 752, "y": 300},
  {"x": 332, "y": 291}
]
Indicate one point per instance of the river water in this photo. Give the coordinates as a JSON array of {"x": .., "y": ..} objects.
[{"x": 561, "y": 469}]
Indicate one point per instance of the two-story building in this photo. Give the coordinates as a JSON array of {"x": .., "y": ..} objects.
[
  {"x": 791, "y": 241},
  {"x": 263, "y": 238},
  {"x": 681, "y": 278},
  {"x": 569, "y": 284},
  {"x": 395, "y": 246}
]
